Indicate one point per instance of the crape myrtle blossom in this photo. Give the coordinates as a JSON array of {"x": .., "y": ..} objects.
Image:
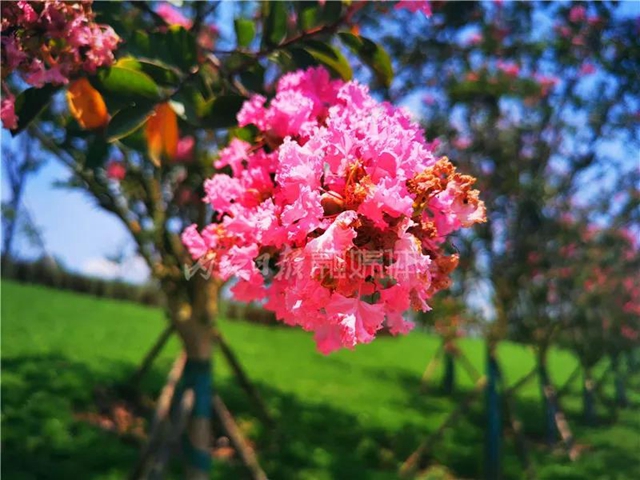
[
  {"x": 336, "y": 216},
  {"x": 51, "y": 42},
  {"x": 414, "y": 6}
]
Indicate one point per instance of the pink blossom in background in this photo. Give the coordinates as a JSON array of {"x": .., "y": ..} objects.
[
  {"x": 7, "y": 112},
  {"x": 462, "y": 143},
  {"x": 546, "y": 83},
  {"x": 475, "y": 39},
  {"x": 472, "y": 77},
  {"x": 52, "y": 43},
  {"x": 563, "y": 31},
  {"x": 510, "y": 69},
  {"x": 185, "y": 149},
  {"x": 415, "y": 6},
  {"x": 428, "y": 99},
  {"x": 207, "y": 36},
  {"x": 12, "y": 52},
  {"x": 587, "y": 69},
  {"x": 173, "y": 16},
  {"x": 116, "y": 170},
  {"x": 347, "y": 203},
  {"x": 577, "y": 14},
  {"x": 594, "y": 20},
  {"x": 578, "y": 41},
  {"x": 629, "y": 333}
]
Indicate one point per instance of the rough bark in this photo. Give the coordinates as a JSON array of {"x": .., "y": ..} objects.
[{"x": 192, "y": 318}]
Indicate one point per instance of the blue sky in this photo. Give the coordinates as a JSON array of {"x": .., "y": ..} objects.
[{"x": 77, "y": 232}]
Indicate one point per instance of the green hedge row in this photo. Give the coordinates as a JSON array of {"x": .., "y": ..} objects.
[{"x": 47, "y": 272}]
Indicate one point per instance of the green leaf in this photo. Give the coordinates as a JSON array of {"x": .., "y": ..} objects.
[
  {"x": 237, "y": 61},
  {"x": 97, "y": 153},
  {"x": 159, "y": 73},
  {"x": 302, "y": 59},
  {"x": 248, "y": 133},
  {"x": 30, "y": 103},
  {"x": 127, "y": 82},
  {"x": 193, "y": 104},
  {"x": 331, "y": 12},
  {"x": 181, "y": 46},
  {"x": 329, "y": 57},
  {"x": 176, "y": 47},
  {"x": 308, "y": 15},
  {"x": 311, "y": 14},
  {"x": 245, "y": 31},
  {"x": 253, "y": 78},
  {"x": 221, "y": 111},
  {"x": 128, "y": 120},
  {"x": 275, "y": 26},
  {"x": 371, "y": 54}
]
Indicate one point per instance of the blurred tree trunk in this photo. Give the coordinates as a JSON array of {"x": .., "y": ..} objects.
[
  {"x": 448, "y": 381},
  {"x": 494, "y": 418},
  {"x": 549, "y": 408},
  {"x": 618, "y": 378},
  {"x": 588, "y": 397},
  {"x": 193, "y": 321}
]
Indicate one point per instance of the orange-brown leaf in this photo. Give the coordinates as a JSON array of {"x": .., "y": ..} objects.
[
  {"x": 162, "y": 134},
  {"x": 86, "y": 105}
]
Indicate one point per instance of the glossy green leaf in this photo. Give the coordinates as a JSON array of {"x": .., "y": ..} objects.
[
  {"x": 221, "y": 112},
  {"x": 128, "y": 120},
  {"x": 308, "y": 13},
  {"x": 302, "y": 59},
  {"x": 275, "y": 25},
  {"x": 371, "y": 54},
  {"x": 192, "y": 104},
  {"x": 97, "y": 153},
  {"x": 245, "y": 31},
  {"x": 30, "y": 103},
  {"x": 329, "y": 57},
  {"x": 127, "y": 82},
  {"x": 175, "y": 47},
  {"x": 159, "y": 73},
  {"x": 253, "y": 78},
  {"x": 237, "y": 61},
  {"x": 331, "y": 12}
]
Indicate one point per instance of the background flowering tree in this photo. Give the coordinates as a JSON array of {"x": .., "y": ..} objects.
[
  {"x": 527, "y": 122},
  {"x": 540, "y": 102},
  {"x": 322, "y": 169}
]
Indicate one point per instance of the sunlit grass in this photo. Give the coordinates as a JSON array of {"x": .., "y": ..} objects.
[{"x": 353, "y": 414}]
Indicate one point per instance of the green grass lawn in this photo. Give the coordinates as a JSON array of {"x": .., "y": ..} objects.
[{"x": 353, "y": 414}]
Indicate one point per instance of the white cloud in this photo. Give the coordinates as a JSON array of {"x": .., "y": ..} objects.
[{"x": 134, "y": 269}]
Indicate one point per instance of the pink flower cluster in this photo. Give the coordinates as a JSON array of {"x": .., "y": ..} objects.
[
  {"x": 333, "y": 176},
  {"x": 414, "y": 6},
  {"x": 207, "y": 34},
  {"x": 50, "y": 42}
]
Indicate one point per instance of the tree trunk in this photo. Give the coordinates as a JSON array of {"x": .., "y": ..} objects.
[
  {"x": 193, "y": 323},
  {"x": 549, "y": 409},
  {"x": 632, "y": 361},
  {"x": 448, "y": 381},
  {"x": 621, "y": 393},
  {"x": 494, "y": 418},
  {"x": 588, "y": 398}
]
